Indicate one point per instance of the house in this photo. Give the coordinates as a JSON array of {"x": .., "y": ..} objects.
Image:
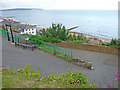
[
  {"x": 28, "y": 29},
  {"x": 13, "y": 24},
  {"x": 23, "y": 28}
]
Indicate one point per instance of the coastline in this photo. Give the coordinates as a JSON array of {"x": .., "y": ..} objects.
[{"x": 92, "y": 38}]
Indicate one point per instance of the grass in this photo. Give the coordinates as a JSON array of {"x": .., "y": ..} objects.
[
  {"x": 78, "y": 41},
  {"x": 21, "y": 81},
  {"x": 26, "y": 78},
  {"x": 0, "y": 78}
]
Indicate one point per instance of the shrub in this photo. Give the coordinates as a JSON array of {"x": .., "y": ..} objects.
[
  {"x": 69, "y": 79},
  {"x": 75, "y": 41},
  {"x": 74, "y": 37},
  {"x": 80, "y": 37},
  {"x": 70, "y": 37},
  {"x": 56, "y": 31},
  {"x": 117, "y": 77},
  {"x": 44, "y": 38},
  {"x": 103, "y": 44},
  {"x": 15, "y": 31},
  {"x": 107, "y": 44},
  {"x": 55, "y": 40}
]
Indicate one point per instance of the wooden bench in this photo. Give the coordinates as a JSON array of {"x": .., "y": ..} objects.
[{"x": 25, "y": 45}]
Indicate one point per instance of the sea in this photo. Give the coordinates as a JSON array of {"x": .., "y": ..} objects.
[{"x": 102, "y": 23}]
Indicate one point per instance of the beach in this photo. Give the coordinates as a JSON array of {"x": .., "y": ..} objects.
[{"x": 93, "y": 39}]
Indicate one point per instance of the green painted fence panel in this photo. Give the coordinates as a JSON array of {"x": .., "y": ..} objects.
[{"x": 51, "y": 48}]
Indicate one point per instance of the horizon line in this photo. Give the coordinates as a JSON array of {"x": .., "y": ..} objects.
[{"x": 58, "y": 9}]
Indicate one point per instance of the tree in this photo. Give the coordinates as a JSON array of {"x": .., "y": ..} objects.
[
  {"x": 78, "y": 37},
  {"x": 70, "y": 37},
  {"x": 74, "y": 37},
  {"x": 56, "y": 31}
]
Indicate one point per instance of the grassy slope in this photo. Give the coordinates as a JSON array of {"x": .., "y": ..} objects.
[
  {"x": 17, "y": 80},
  {"x": 0, "y": 78},
  {"x": 20, "y": 81}
]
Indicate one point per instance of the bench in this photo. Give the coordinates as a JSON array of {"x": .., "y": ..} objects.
[{"x": 25, "y": 45}]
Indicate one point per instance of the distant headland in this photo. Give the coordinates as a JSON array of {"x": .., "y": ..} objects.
[{"x": 21, "y": 9}]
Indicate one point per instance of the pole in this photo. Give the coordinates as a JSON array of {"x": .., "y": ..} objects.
[
  {"x": 71, "y": 55},
  {"x": 54, "y": 50},
  {"x": 15, "y": 38},
  {"x": 7, "y": 32},
  {"x": 12, "y": 35}
]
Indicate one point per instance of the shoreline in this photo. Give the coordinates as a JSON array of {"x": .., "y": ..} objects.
[
  {"x": 92, "y": 37},
  {"x": 88, "y": 36}
]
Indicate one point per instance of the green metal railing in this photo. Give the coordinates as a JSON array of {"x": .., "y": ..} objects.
[
  {"x": 51, "y": 48},
  {"x": 4, "y": 34}
]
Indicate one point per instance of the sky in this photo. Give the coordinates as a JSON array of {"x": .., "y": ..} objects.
[{"x": 61, "y": 4}]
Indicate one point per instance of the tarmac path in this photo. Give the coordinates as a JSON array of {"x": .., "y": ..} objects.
[{"x": 106, "y": 65}]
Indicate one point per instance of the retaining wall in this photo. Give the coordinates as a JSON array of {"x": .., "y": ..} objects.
[{"x": 97, "y": 48}]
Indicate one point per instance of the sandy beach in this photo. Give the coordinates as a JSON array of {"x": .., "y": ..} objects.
[{"x": 93, "y": 39}]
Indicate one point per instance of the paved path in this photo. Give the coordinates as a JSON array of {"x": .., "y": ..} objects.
[{"x": 105, "y": 64}]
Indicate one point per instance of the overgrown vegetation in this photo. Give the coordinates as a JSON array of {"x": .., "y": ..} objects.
[
  {"x": 0, "y": 78},
  {"x": 27, "y": 78},
  {"x": 114, "y": 43},
  {"x": 44, "y": 38},
  {"x": 61, "y": 33},
  {"x": 15, "y": 31},
  {"x": 57, "y": 33}
]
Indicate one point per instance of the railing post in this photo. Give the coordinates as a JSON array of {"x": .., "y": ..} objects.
[
  {"x": 15, "y": 37},
  {"x": 36, "y": 43},
  {"x": 54, "y": 50},
  {"x": 71, "y": 55},
  {"x": 5, "y": 34}
]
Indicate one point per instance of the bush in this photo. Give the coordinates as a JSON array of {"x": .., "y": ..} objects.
[
  {"x": 68, "y": 79},
  {"x": 107, "y": 44},
  {"x": 70, "y": 37},
  {"x": 56, "y": 31},
  {"x": 75, "y": 41},
  {"x": 15, "y": 31},
  {"x": 45, "y": 39},
  {"x": 103, "y": 44},
  {"x": 55, "y": 40}
]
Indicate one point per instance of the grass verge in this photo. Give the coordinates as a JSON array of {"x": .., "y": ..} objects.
[{"x": 27, "y": 78}]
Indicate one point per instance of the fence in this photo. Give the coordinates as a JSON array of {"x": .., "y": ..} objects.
[
  {"x": 4, "y": 34},
  {"x": 51, "y": 48},
  {"x": 56, "y": 50}
]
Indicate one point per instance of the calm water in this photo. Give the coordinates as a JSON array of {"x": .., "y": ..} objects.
[{"x": 102, "y": 23}]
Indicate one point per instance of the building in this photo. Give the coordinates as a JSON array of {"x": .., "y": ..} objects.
[
  {"x": 22, "y": 28},
  {"x": 13, "y": 24},
  {"x": 28, "y": 29}
]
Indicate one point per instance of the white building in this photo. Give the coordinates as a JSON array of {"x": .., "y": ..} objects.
[{"x": 31, "y": 30}]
